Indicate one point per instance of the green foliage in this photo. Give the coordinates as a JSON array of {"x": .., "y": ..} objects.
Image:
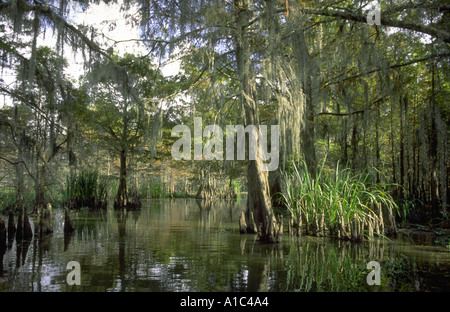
[
  {"x": 85, "y": 189},
  {"x": 406, "y": 207},
  {"x": 401, "y": 274},
  {"x": 339, "y": 196},
  {"x": 55, "y": 195},
  {"x": 156, "y": 189},
  {"x": 237, "y": 186},
  {"x": 7, "y": 199}
]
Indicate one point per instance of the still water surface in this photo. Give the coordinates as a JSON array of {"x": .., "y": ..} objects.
[{"x": 185, "y": 245}]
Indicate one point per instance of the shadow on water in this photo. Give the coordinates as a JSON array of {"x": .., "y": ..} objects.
[{"x": 193, "y": 245}]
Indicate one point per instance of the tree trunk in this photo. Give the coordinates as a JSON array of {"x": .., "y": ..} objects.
[
  {"x": 24, "y": 231},
  {"x": 11, "y": 228},
  {"x": 39, "y": 187},
  {"x": 45, "y": 225},
  {"x": 402, "y": 151},
  {"x": 434, "y": 179},
  {"x": 394, "y": 175},
  {"x": 308, "y": 148},
  {"x": 377, "y": 143},
  {"x": 20, "y": 185},
  {"x": 306, "y": 73},
  {"x": 121, "y": 200},
  {"x": 70, "y": 148},
  {"x": 258, "y": 201}
]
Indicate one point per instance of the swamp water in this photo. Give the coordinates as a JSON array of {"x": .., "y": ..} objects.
[{"x": 185, "y": 245}]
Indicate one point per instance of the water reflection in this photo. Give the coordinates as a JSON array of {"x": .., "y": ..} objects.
[{"x": 191, "y": 245}]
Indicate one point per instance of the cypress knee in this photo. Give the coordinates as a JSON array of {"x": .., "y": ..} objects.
[{"x": 68, "y": 226}]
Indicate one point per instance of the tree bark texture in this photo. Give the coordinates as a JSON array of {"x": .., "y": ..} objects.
[{"x": 258, "y": 200}]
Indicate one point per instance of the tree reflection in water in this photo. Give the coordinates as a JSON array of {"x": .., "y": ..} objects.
[{"x": 189, "y": 245}]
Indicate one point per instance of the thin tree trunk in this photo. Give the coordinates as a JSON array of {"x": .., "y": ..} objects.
[
  {"x": 377, "y": 144},
  {"x": 306, "y": 72},
  {"x": 70, "y": 148},
  {"x": 434, "y": 185},
  {"x": 309, "y": 151},
  {"x": 402, "y": 150},
  {"x": 121, "y": 200},
  {"x": 39, "y": 202},
  {"x": 20, "y": 185},
  {"x": 394, "y": 175}
]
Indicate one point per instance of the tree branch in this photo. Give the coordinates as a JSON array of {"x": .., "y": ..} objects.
[
  {"x": 361, "y": 111},
  {"x": 385, "y": 21},
  {"x": 17, "y": 163},
  {"x": 93, "y": 47},
  {"x": 423, "y": 59}
]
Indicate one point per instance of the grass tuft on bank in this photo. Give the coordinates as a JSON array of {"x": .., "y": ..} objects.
[{"x": 338, "y": 203}]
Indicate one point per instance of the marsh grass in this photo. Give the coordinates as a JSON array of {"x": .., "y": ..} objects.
[
  {"x": 85, "y": 189},
  {"x": 154, "y": 189},
  {"x": 337, "y": 203}
]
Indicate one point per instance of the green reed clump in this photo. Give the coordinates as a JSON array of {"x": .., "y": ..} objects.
[
  {"x": 156, "y": 189},
  {"x": 85, "y": 189},
  {"x": 338, "y": 203}
]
